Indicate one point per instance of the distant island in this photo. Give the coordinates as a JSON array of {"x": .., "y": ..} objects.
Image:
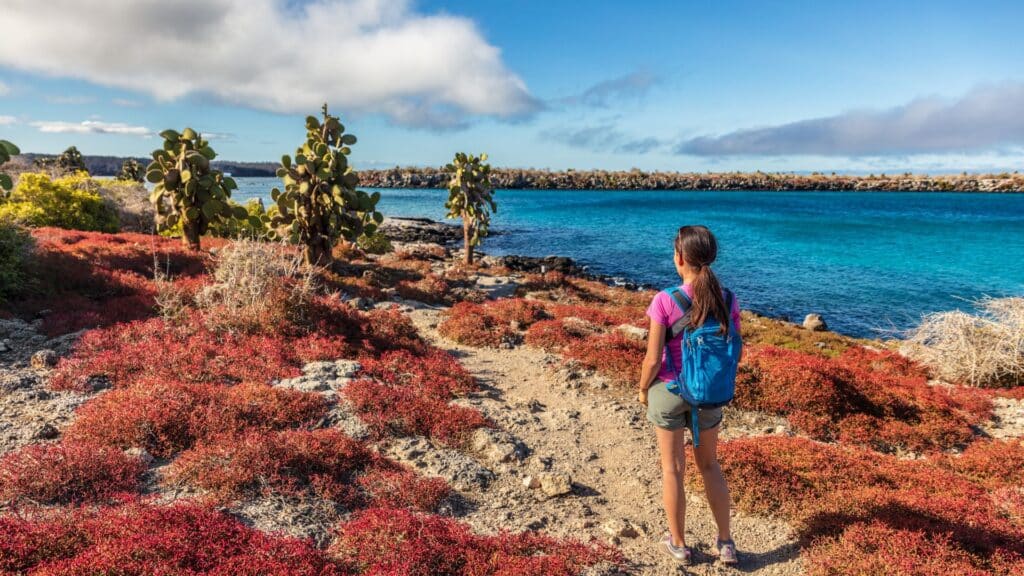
[{"x": 528, "y": 178}]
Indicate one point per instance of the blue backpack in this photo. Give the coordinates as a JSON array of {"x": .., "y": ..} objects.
[{"x": 708, "y": 377}]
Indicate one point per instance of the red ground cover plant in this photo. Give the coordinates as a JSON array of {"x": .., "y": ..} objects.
[
  {"x": 400, "y": 487},
  {"x": 613, "y": 354},
  {"x": 431, "y": 289},
  {"x": 143, "y": 538},
  {"x": 154, "y": 349},
  {"x": 470, "y": 324},
  {"x": 874, "y": 548},
  {"x": 874, "y": 399},
  {"x": 823, "y": 490},
  {"x": 400, "y": 411},
  {"x": 995, "y": 463},
  {"x": 89, "y": 279},
  {"x": 515, "y": 310},
  {"x": 288, "y": 463},
  {"x": 606, "y": 316},
  {"x": 436, "y": 373},
  {"x": 168, "y": 417},
  {"x": 386, "y": 541},
  {"x": 555, "y": 335},
  {"x": 67, "y": 472},
  {"x": 295, "y": 463}
]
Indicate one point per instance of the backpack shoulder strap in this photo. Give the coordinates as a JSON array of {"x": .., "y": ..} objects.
[
  {"x": 683, "y": 302},
  {"x": 729, "y": 298}
]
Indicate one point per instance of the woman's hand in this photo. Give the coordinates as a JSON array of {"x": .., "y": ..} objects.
[{"x": 642, "y": 397}]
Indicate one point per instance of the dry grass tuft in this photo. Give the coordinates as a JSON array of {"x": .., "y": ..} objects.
[
  {"x": 984, "y": 349},
  {"x": 256, "y": 286}
]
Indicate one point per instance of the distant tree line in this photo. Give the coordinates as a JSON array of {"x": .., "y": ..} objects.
[{"x": 111, "y": 165}]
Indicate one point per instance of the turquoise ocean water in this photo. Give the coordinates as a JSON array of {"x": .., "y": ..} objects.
[{"x": 869, "y": 262}]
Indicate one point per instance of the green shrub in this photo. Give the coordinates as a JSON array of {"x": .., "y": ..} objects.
[
  {"x": 15, "y": 249},
  {"x": 376, "y": 243},
  {"x": 72, "y": 202},
  {"x": 255, "y": 227}
]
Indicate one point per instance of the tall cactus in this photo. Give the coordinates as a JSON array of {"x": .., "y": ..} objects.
[
  {"x": 471, "y": 197},
  {"x": 6, "y": 151},
  {"x": 187, "y": 188},
  {"x": 320, "y": 203},
  {"x": 131, "y": 171},
  {"x": 71, "y": 161}
]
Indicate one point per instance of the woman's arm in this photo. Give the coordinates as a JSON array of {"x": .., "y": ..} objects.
[{"x": 652, "y": 361}]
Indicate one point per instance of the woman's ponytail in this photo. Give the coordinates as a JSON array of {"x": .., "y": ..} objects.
[{"x": 698, "y": 248}]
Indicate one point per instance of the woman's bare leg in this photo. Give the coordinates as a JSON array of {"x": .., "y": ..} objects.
[
  {"x": 706, "y": 456},
  {"x": 671, "y": 444}
]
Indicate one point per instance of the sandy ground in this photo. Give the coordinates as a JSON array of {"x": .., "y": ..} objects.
[{"x": 574, "y": 427}]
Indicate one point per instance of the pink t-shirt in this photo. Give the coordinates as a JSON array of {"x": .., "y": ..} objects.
[{"x": 665, "y": 311}]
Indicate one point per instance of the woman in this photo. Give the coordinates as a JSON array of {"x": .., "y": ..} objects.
[{"x": 695, "y": 250}]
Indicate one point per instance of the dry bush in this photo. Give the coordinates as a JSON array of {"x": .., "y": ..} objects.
[
  {"x": 984, "y": 349},
  {"x": 131, "y": 201},
  {"x": 257, "y": 286}
]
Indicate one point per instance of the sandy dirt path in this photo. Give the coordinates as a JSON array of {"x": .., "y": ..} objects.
[{"x": 608, "y": 449}]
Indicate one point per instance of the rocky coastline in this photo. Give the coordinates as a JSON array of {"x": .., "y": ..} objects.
[{"x": 723, "y": 181}]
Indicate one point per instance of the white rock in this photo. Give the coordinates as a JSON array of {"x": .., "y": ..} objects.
[
  {"x": 632, "y": 332},
  {"x": 555, "y": 484},
  {"x": 815, "y": 323},
  {"x": 619, "y": 528}
]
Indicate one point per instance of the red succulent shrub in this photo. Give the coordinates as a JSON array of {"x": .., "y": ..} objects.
[
  {"x": 144, "y": 538},
  {"x": 431, "y": 289},
  {"x": 824, "y": 489},
  {"x": 435, "y": 373},
  {"x": 516, "y": 311},
  {"x": 90, "y": 279},
  {"x": 874, "y": 548},
  {"x": 862, "y": 397},
  {"x": 555, "y": 335},
  {"x": 154, "y": 415},
  {"x": 252, "y": 406},
  {"x": 613, "y": 355},
  {"x": 67, "y": 472},
  {"x": 387, "y": 541},
  {"x": 471, "y": 324},
  {"x": 168, "y": 417},
  {"x": 400, "y": 487},
  {"x": 606, "y": 316},
  {"x": 288, "y": 463},
  {"x": 155, "y": 350},
  {"x": 400, "y": 411},
  {"x": 994, "y": 463}
]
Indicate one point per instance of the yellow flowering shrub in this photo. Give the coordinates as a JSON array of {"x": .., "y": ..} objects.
[{"x": 72, "y": 202}]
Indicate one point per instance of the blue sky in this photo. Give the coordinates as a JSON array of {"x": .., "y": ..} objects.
[{"x": 862, "y": 86}]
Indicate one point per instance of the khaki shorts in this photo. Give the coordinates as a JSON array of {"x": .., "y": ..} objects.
[{"x": 669, "y": 411}]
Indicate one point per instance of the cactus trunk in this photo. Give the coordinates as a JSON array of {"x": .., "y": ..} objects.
[
  {"x": 467, "y": 238},
  {"x": 190, "y": 235},
  {"x": 318, "y": 252}
]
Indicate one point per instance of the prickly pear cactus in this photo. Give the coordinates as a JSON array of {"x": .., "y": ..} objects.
[
  {"x": 131, "y": 171},
  {"x": 320, "y": 203},
  {"x": 471, "y": 197},
  {"x": 188, "y": 191},
  {"x": 6, "y": 151},
  {"x": 71, "y": 161}
]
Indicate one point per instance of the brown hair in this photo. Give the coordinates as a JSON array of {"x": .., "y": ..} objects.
[{"x": 698, "y": 248}]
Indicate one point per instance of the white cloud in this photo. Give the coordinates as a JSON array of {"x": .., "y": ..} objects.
[
  {"x": 377, "y": 56},
  {"x": 985, "y": 118},
  {"x": 4, "y": 89},
  {"x": 126, "y": 102},
  {"x": 91, "y": 127},
  {"x": 7, "y": 120}
]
